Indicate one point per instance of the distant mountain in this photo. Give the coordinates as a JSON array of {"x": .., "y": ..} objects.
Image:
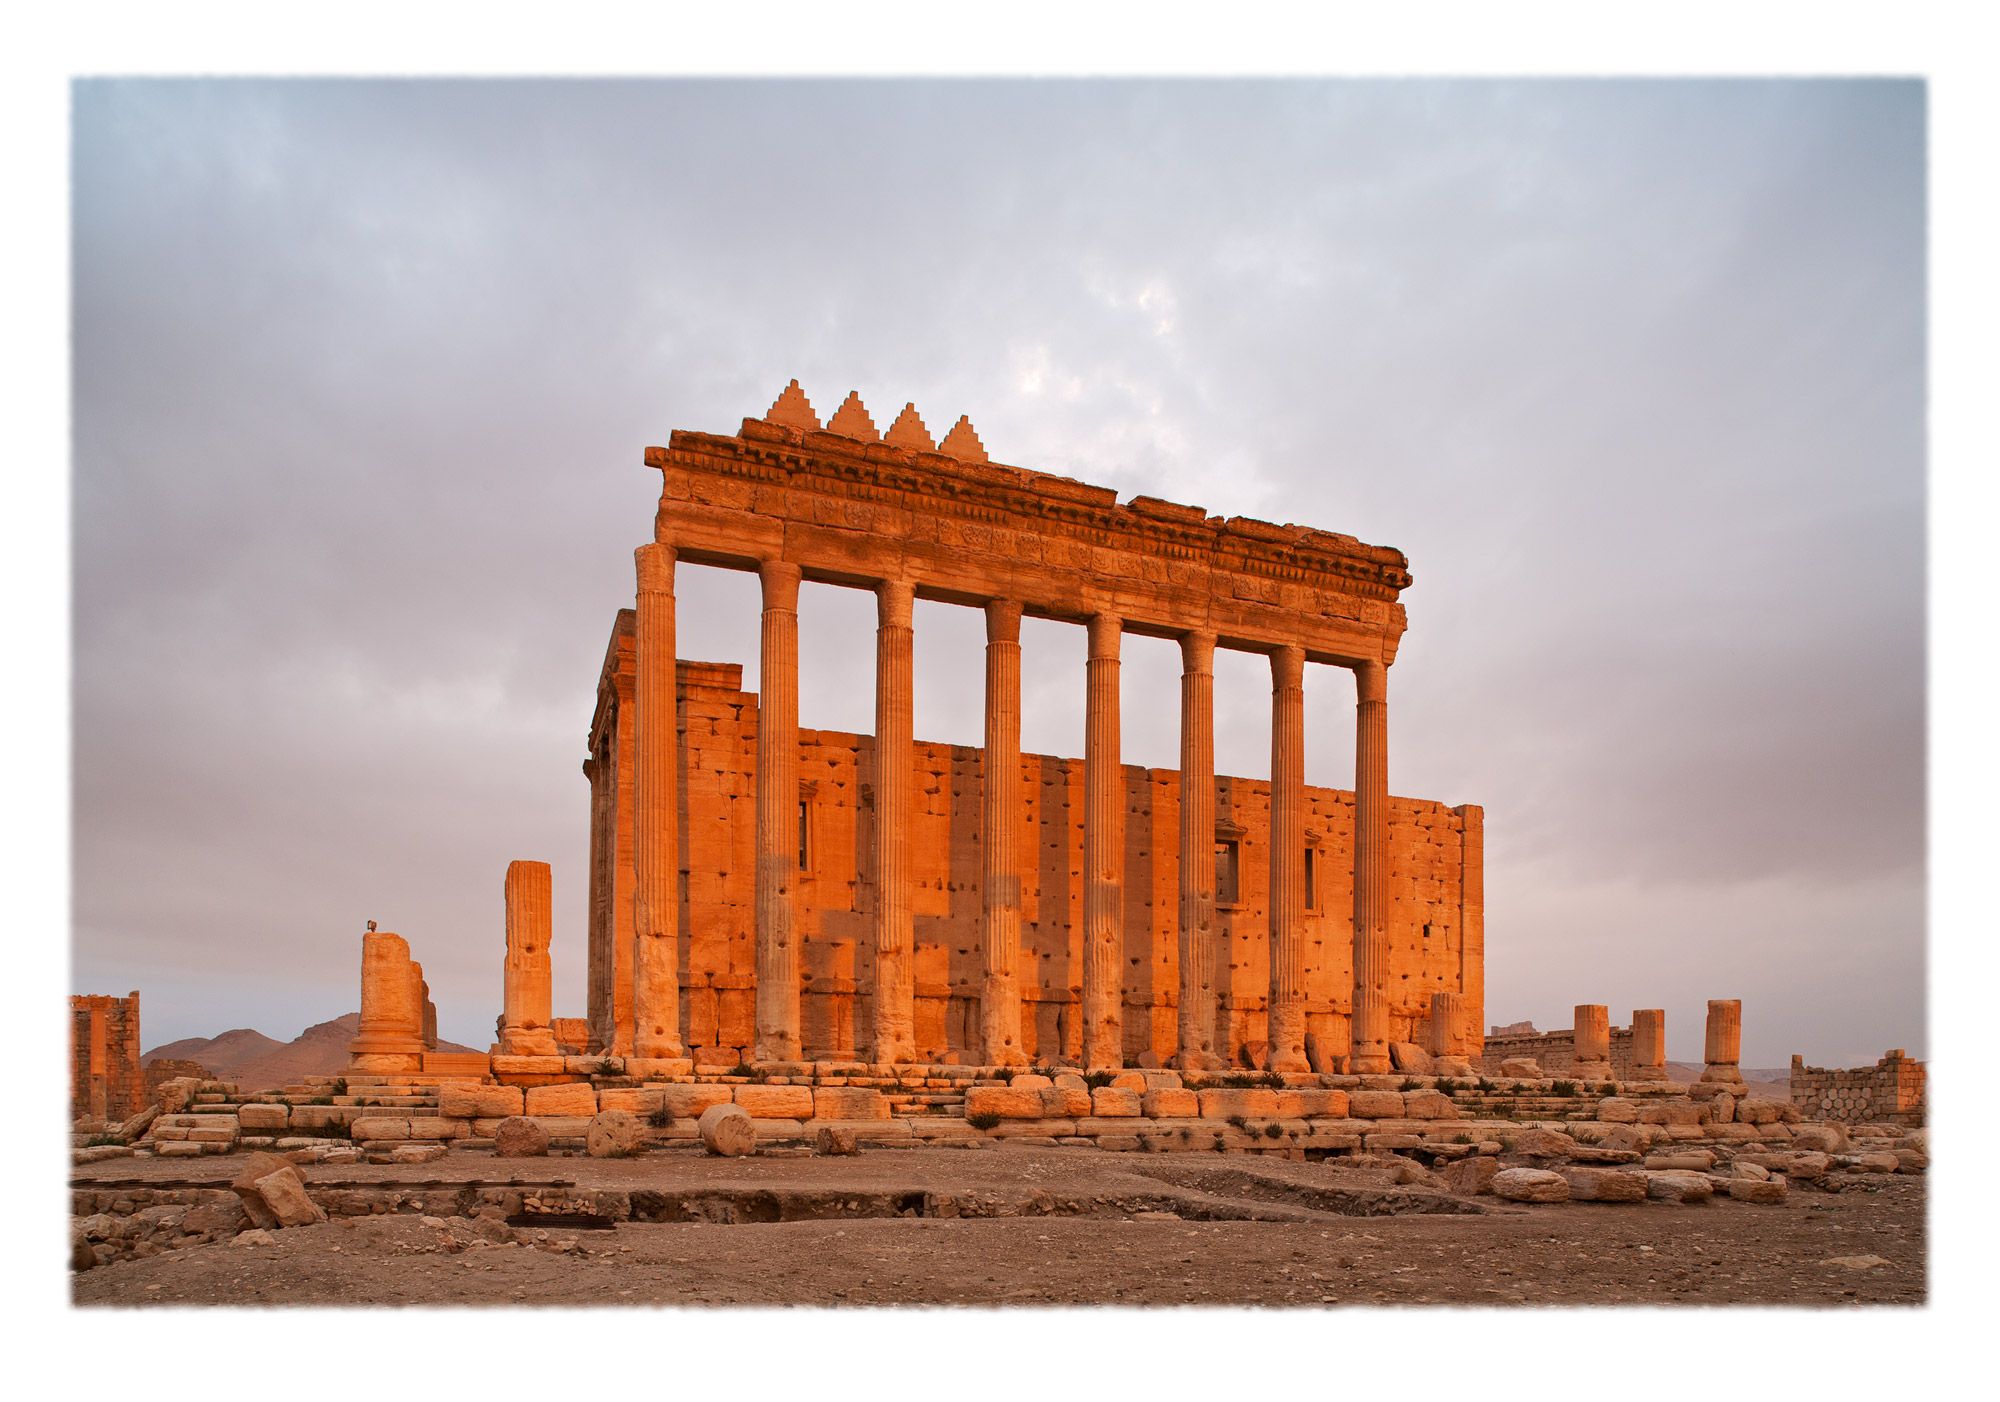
[{"x": 257, "y": 1062}]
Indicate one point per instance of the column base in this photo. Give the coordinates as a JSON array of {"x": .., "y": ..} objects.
[
  {"x": 1591, "y": 1070},
  {"x": 1722, "y": 1075},
  {"x": 1369, "y": 1064},
  {"x": 386, "y": 1063},
  {"x": 527, "y": 1041}
]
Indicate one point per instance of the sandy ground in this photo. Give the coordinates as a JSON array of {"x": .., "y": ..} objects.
[{"x": 1095, "y": 1229}]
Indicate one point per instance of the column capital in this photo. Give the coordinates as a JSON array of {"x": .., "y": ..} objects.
[
  {"x": 1371, "y": 682},
  {"x": 655, "y": 565},
  {"x": 1105, "y": 629},
  {"x": 1003, "y": 621},
  {"x": 895, "y": 601},
  {"x": 1198, "y": 651},
  {"x": 781, "y": 583},
  {"x": 1288, "y": 667}
]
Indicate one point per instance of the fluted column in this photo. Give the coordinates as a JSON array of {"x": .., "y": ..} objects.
[
  {"x": 1447, "y": 1026},
  {"x": 656, "y": 905},
  {"x": 1000, "y": 923},
  {"x": 1723, "y": 1043},
  {"x": 1286, "y": 1025},
  {"x": 1590, "y": 1040},
  {"x": 526, "y": 995},
  {"x": 1197, "y": 860},
  {"x": 895, "y": 1020},
  {"x": 777, "y": 817},
  {"x": 1369, "y": 1043},
  {"x": 1649, "y": 1044},
  {"x": 390, "y": 1037},
  {"x": 1103, "y": 852},
  {"x": 1472, "y": 924}
]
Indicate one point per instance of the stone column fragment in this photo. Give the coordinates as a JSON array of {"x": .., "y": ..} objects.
[
  {"x": 389, "y": 1039},
  {"x": 1723, "y": 1045},
  {"x": 1447, "y": 1025},
  {"x": 656, "y": 905},
  {"x": 777, "y": 1033},
  {"x": 1197, "y": 856},
  {"x": 1000, "y": 910},
  {"x": 1369, "y": 1038},
  {"x": 1287, "y": 1032},
  {"x": 526, "y": 995},
  {"x": 1590, "y": 1041},
  {"x": 1103, "y": 853},
  {"x": 895, "y": 987},
  {"x": 1649, "y": 1044},
  {"x": 1472, "y": 924}
]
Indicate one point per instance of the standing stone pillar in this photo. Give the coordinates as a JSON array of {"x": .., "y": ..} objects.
[
  {"x": 1472, "y": 924},
  {"x": 389, "y": 1039},
  {"x": 1590, "y": 1041},
  {"x": 100, "y": 1063},
  {"x": 1723, "y": 1045},
  {"x": 1369, "y": 1038},
  {"x": 1103, "y": 853},
  {"x": 1649, "y": 1044},
  {"x": 1447, "y": 1027},
  {"x": 777, "y": 1036},
  {"x": 1000, "y": 913},
  {"x": 1286, "y": 1025},
  {"x": 656, "y": 904},
  {"x": 895, "y": 1018},
  {"x": 1197, "y": 871},
  {"x": 526, "y": 1002}
]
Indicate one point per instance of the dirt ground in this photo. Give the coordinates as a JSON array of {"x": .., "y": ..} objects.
[{"x": 1092, "y": 1228}]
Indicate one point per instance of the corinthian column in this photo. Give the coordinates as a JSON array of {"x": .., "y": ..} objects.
[
  {"x": 656, "y": 905},
  {"x": 778, "y": 817},
  {"x": 1369, "y": 1041},
  {"x": 1000, "y": 886},
  {"x": 1103, "y": 852},
  {"x": 1287, "y": 1031},
  {"x": 1197, "y": 903},
  {"x": 895, "y": 1027}
]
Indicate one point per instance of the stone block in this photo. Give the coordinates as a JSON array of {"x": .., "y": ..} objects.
[
  {"x": 1617, "y": 1110},
  {"x": 1679, "y": 1185},
  {"x": 690, "y": 1102},
  {"x": 520, "y": 1138},
  {"x": 849, "y": 1103},
  {"x": 632, "y": 1100},
  {"x": 381, "y": 1127},
  {"x": 1428, "y": 1105},
  {"x": 836, "y": 1141},
  {"x": 571, "y": 1099},
  {"x": 1694, "y": 1160},
  {"x": 1170, "y": 1103},
  {"x": 1521, "y": 1068},
  {"x": 1410, "y": 1058},
  {"x": 264, "y": 1118},
  {"x": 468, "y": 1101},
  {"x": 1247, "y": 1102},
  {"x": 613, "y": 1134},
  {"x": 727, "y": 1131},
  {"x": 775, "y": 1102},
  {"x": 1008, "y": 1102},
  {"x": 1605, "y": 1185},
  {"x": 417, "y": 1153},
  {"x": 1765, "y": 1191},
  {"x": 504, "y": 1065},
  {"x": 1061, "y": 1101},
  {"x": 1375, "y": 1104},
  {"x": 1108, "y": 1102},
  {"x": 1530, "y": 1185}
]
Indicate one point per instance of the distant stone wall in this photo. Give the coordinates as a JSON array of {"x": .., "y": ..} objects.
[
  {"x": 1889, "y": 1092},
  {"x": 105, "y": 1081},
  {"x": 160, "y": 1070},
  {"x": 1554, "y": 1052}
]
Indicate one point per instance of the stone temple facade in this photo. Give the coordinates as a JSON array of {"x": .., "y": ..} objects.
[{"x": 766, "y": 894}]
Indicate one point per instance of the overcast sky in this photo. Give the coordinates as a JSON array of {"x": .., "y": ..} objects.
[{"x": 1632, "y": 371}]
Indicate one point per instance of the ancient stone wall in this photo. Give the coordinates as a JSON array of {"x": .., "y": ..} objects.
[
  {"x": 1891, "y": 1091},
  {"x": 105, "y": 1079},
  {"x": 1554, "y": 1052},
  {"x": 836, "y": 833}
]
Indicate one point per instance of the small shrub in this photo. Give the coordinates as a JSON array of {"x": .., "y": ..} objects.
[
  {"x": 742, "y": 1068},
  {"x": 1272, "y": 1079},
  {"x": 1097, "y": 1080},
  {"x": 1461, "y": 1138},
  {"x": 983, "y": 1119},
  {"x": 98, "y": 1141},
  {"x": 1241, "y": 1080},
  {"x": 320, "y": 1100},
  {"x": 1447, "y": 1086},
  {"x": 1239, "y": 1122},
  {"x": 1274, "y": 1130},
  {"x": 1410, "y": 1083},
  {"x": 661, "y": 1117},
  {"x": 1485, "y": 1086},
  {"x": 1610, "y": 1088},
  {"x": 339, "y": 1086},
  {"x": 1562, "y": 1088},
  {"x": 1004, "y": 1074}
]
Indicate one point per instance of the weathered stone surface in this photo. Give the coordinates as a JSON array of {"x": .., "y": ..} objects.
[
  {"x": 418, "y": 1153},
  {"x": 727, "y": 1131},
  {"x": 466, "y": 1101},
  {"x": 1605, "y": 1184},
  {"x": 1617, "y": 1110},
  {"x": 379, "y": 1127},
  {"x": 574, "y": 1098},
  {"x": 1679, "y": 1185},
  {"x": 1373, "y": 1104},
  {"x": 1410, "y": 1058},
  {"x": 1471, "y": 1175},
  {"x": 1252, "y": 1103},
  {"x": 1169, "y": 1104},
  {"x": 1521, "y": 1068},
  {"x": 633, "y": 1100},
  {"x": 1697, "y": 1160},
  {"x": 848, "y": 1103},
  {"x": 1008, "y": 1102},
  {"x": 1428, "y": 1105},
  {"x": 518, "y": 1137},
  {"x": 284, "y": 1193},
  {"x": 264, "y": 1119},
  {"x": 1826, "y": 1137},
  {"x": 776, "y": 1102},
  {"x": 613, "y": 1134},
  {"x": 1065, "y": 1102},
  {"x": 1111, "y": 1101},
  {"x": 691, "y": 1101},
  {"x": 1530, "y": 1185},
  {"x": 1765, "y": 1191},
  {"x": 244, "y": 1184},
  {"x": 836, "y": 1141},
  {"x": 1538, "y": 1143}
]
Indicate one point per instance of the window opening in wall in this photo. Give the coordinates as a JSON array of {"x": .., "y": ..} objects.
[
  {"x": 1225, "y": 871},
  {"x": 1312, "y": 879}
]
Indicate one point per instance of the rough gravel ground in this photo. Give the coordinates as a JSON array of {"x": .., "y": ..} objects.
[{"x": 1655, "y": 1253}]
